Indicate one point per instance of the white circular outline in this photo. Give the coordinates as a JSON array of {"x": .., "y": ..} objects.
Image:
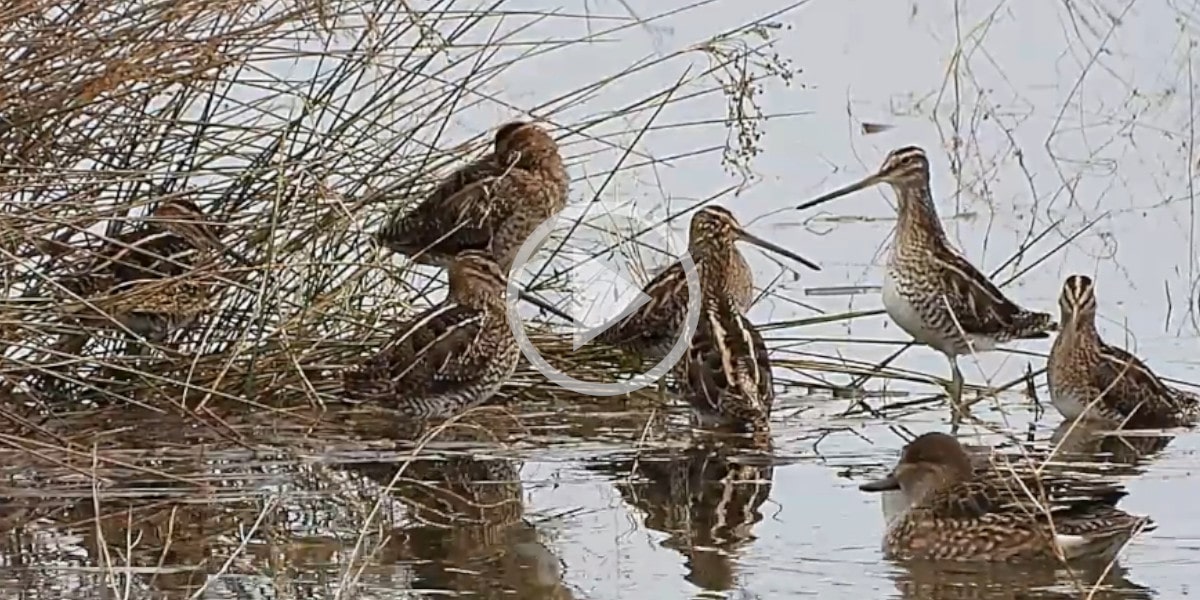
[{"x": 597, "y": 388}]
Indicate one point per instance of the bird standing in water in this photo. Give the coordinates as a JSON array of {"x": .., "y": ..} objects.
[
  {"x": 651, "y": 330},
  {"x": 929, "y": 290},
  {"x": 1090, "y": 379}
]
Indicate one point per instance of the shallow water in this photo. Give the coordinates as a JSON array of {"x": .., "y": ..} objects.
[
  {"x": 584, "y": 517},
  {"x": 1051, "y": 111}
]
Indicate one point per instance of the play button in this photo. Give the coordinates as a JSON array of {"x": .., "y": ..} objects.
[{"x": 603, "y": 291}]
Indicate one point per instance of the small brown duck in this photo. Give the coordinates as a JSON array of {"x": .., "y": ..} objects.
[
  {"x": 1090, "y": 379},
  {"x": 449, "y": 358},
  {"x": 956, "y": 513},
  {"x": 492, "y": 204}
]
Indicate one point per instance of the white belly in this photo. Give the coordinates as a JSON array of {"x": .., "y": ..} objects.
[
  {"x": 1070, "y": 406},
  {"x": 909, "y": 319},
  {"x": 904, "y": 314}
]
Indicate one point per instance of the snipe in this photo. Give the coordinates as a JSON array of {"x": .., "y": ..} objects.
[
  {"x": 651, "y": 330},
  {"x": 492, "y": 204},
  {"x": 929, "y": 290},
  {"x": 1090, "y": 379},
  {"x": 145, "y": 280},
  {"x": 725, "y": 374},
  {"x": 449, "y": 358},
  {"x": 952, "y": 512}
]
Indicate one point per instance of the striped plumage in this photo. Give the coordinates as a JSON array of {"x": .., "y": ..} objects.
[
  {"x": 449, "y": 358},
  {"x": 725, "y": 375},
  {"x": 145, "y": 279},
  {"x": 652, "y": 329},
  {"x": 929, "y": 289},
  {"x": 955, "y": 511},
  {"x": 1107, "y": 384},
  {"x": 492, "y": 204}
]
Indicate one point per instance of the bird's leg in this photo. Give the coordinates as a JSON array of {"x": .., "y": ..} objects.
[{"x": 957, "y": 409}]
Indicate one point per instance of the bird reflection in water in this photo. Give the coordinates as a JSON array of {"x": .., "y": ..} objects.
[
  {"x": 465, "y": 530},
  {"x": 926, "y": 580},
  {"x": 706, "y": 499},
  {"x": 1122, "y": 452}
]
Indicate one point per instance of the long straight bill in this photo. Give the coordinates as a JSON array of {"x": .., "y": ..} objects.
[
  {"x": 761, "y": 243},
  {"x": 838, "y": 193}
]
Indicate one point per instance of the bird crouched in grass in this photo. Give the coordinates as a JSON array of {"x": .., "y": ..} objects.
[
  {"x": 145, "y": 280},
  {"x": 492, "y": 204},
  {"x": 1090, "y": 379},
  {"x": 449, "y": 358},
  {"x": 929, "y": 290},
  {"x": 953, "y": 511}
]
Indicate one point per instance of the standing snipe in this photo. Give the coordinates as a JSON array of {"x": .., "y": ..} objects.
[
  {"x": 929, "y": 289},
  {"x": 956, "y": 512},
  {"x": 451, "y": 357},
  {"x": 725, "y": 375},
  {"x": 144, "y": 280},
  {"x": 1107, "y": 384},
  {"x": 651, "y": 330},
  {"x": 492, "y": 204}
]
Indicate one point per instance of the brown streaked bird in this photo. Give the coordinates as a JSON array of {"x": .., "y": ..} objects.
[
  {"x": 651, "y": 330},
  {"x": 952, "y": 512},
  {"x": 492, "y": 204},
  {"x": 449, "y": 358},
  {"x": 725, "y": 374},
  {"x": 144, "y": 280},
  {"x": 929, "y": 290},
  {"x": 1092, "y": 380}
]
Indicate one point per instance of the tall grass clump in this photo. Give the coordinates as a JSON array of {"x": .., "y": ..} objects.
[{"x": 298, "y": 126}]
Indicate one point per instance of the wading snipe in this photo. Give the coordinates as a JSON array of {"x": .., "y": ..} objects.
[
  {"x": 492, "y": 204},
  {"x": 929, "y": 290},
  {"x": 144, "y": 280},
  {"x": 1107, "y": 384},
  {"x": 725, "y": 375},
  {"x": 652, "y": 329},
  {"x": 953, "y": 512},
  {"x": 453, "y": 356}
]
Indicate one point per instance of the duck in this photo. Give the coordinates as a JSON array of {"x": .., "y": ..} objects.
[{"x": 955, "y": 512}]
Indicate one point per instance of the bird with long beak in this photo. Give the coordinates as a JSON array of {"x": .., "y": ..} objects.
[
  {"x": 929, "y": 290},
  {"x": 650, "y": 331},
  {"x": 1094, "y": 381}
]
